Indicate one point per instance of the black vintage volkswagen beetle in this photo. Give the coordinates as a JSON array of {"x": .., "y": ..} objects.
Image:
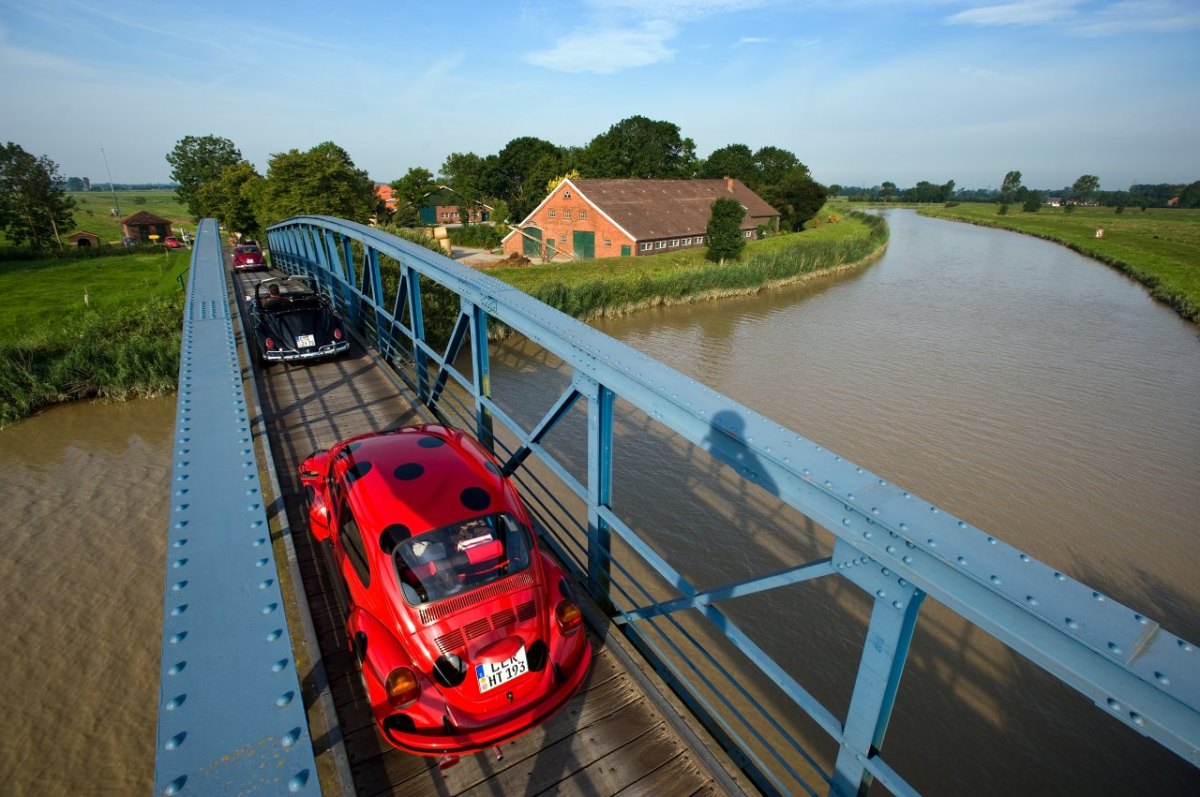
[{"x": 291, "y": 321}]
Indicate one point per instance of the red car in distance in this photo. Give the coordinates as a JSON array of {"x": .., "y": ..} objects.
[
  {"x": 172, "y": 242},
  {"x": 466, "y": 633},
  {"x": 248, "y": 257}
]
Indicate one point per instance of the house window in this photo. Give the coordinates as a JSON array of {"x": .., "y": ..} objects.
[
  {"x": 687, "y": 241},
  {"x": 552, "y": 213},
  {"x": 583, "y": 214},
  {"x": 566, "y": 214},
  {"x": 566, "y": 194},
  {"x": 607, "y": 242},
  {"x": 660, "y": 244},
  {"x": 562, "y": 241},
  {"x": 675, "y": 242},
  {"x": 644, "y": 246}
]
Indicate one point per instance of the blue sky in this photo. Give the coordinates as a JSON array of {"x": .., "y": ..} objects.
[{"x": 862, "y": 91}]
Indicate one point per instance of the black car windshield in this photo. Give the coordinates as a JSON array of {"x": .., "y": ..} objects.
[{"x": 446, "y": 561}]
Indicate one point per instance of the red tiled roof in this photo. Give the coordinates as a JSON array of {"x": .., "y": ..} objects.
[
  {"x": 650, "y": 209},
  {"x": 143, "y": 217}
]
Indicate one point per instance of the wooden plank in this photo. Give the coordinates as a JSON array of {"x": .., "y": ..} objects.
[{"x": 608, "y": 739}]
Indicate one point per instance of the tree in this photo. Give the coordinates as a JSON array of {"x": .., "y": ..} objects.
[
  {"x": 322, "y": 181},
  {"x": 1085, "y": 188},
  {"x": 408, "y": 192},
  {"x": 772, "y": 164},
  {"x": 724, "y": 229},
  {"x": 75, "y": 184},
  {"x": 797, "y": 197},
  {"x": 947, "y": 191},
  {"x": 33, "y": 209},
  {"x": 641, "y": 148},
  {"x": 735, "y": 160},
  {"x": 1189, "y": 197},
  {"x": 887, "y": 190},
  {"x": 519, "y": 172},
  {"x": 1010, "y": 187},
  {"x": 197, "y": 160},
  {"x": 233, "y": 197}
]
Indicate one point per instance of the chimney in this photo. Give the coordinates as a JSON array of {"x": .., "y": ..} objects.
[{"x": 729, "y": 184}]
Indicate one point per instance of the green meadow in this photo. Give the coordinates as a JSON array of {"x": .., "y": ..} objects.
[
  {"x": 99, "y": 327},
  {"x": 1158, "y": 247},
  {"x": 93, "y": 211}
]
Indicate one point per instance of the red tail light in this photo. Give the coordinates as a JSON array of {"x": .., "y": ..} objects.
[
  {"x": 270, "y": 344},
  {"x": 568, "y": 616},
  {"x": 337, "y": 334}
]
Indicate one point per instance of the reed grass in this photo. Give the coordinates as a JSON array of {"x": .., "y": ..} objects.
[{"x": 121, "y": 342}]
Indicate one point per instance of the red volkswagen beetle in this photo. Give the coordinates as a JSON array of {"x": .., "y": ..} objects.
[{"x": 466, "y": 632}]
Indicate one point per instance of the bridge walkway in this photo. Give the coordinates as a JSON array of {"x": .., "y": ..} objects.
[{"x": 619, "y": 735}]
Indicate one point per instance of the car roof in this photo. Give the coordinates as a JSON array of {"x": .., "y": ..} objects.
[{"x": 423, "y": 477}]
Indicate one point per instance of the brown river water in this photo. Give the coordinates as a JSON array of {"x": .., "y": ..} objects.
[{"x": 1037, "y": 394}]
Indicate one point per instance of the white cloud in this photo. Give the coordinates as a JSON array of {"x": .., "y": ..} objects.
[
  {"x": 750, "y": 40},
  {"x": 605, "y": 52},
  {"x": 1027, "y": 12}
]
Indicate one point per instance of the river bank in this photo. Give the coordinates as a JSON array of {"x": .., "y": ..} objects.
[
  {"x": 129, "y": 348},
  {"x": 1157, "y": 247}
]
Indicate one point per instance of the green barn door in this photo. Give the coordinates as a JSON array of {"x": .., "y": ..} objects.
[
  {"x": 533, "y": 242},
  {"x": 584, "y": 244},
  {"x": 625, "y": 250}
]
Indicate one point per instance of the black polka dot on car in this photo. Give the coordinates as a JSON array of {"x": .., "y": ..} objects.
[
  {"x": 431, "y": 442},
  {"x": 475, "y": 498},
  {"x": 392, "y": 536},
  {"x": 409, "y": 471},
  {"x": 357, "y": 471}
]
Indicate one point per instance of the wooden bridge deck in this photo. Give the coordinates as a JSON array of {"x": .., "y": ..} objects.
[{"x": 613, "y": 738}]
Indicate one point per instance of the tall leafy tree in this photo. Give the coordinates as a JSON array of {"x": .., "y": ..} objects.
[
  {"x": 724, "y": 230},
  {"x": 233, "y": 197},
  {"x": 321, "y": 181},
  {"x": 797, "y": 197},
  {"x": 773, "y": 163},
  {"x": 33, "y": 209},
  {"x": 408, "y": 192},
  {"x": 642, "y": 148},
  {"x": 197, "y": 160},
  {"x": 1010, "y": 189},
  {"x": 519, "y": 172},
  {"x": 1085, "y": 188},
  {"x": 735, "y": 160}
]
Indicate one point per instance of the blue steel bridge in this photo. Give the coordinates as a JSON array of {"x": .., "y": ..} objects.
[{"x": 255, "y": 697}]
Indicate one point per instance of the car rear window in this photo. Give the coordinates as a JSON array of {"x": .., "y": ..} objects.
[{"x": 460, "y": 557}]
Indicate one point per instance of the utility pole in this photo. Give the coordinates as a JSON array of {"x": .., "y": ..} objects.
[{"x": 111, "y": 187}]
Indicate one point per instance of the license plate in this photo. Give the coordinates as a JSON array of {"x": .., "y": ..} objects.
[
  {"x": 497, "y": 673},
  {"x": 303, "y": 341}
]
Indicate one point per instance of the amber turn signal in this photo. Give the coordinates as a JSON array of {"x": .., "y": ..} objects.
[{"x": 402, "y": 686}]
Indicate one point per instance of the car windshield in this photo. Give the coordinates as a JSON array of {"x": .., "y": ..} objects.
[
  {"x": 446, "y": 561},
  {"x": 247, "y": 250}
]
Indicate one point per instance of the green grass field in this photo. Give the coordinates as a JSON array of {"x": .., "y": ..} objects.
[
  {"x": 1159, "y": 247},
  {"x": 101, "y": 327},
  {"x": 38, "y": 297},
  {"x": 93, "y": 211}
]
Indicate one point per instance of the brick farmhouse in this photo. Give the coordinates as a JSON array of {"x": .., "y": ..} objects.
[{"x": 584, "y": 219}]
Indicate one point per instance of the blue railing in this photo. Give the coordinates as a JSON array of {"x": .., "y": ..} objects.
[
  {"x": 231, "y": 719},
  {"x": 429, "y": 318},
  {"x": 889, "y": 543}
]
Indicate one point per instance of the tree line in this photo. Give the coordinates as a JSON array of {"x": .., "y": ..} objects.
[
  {"x": 215, "y": 180},
  {"x": 1084, "y": 191}
]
